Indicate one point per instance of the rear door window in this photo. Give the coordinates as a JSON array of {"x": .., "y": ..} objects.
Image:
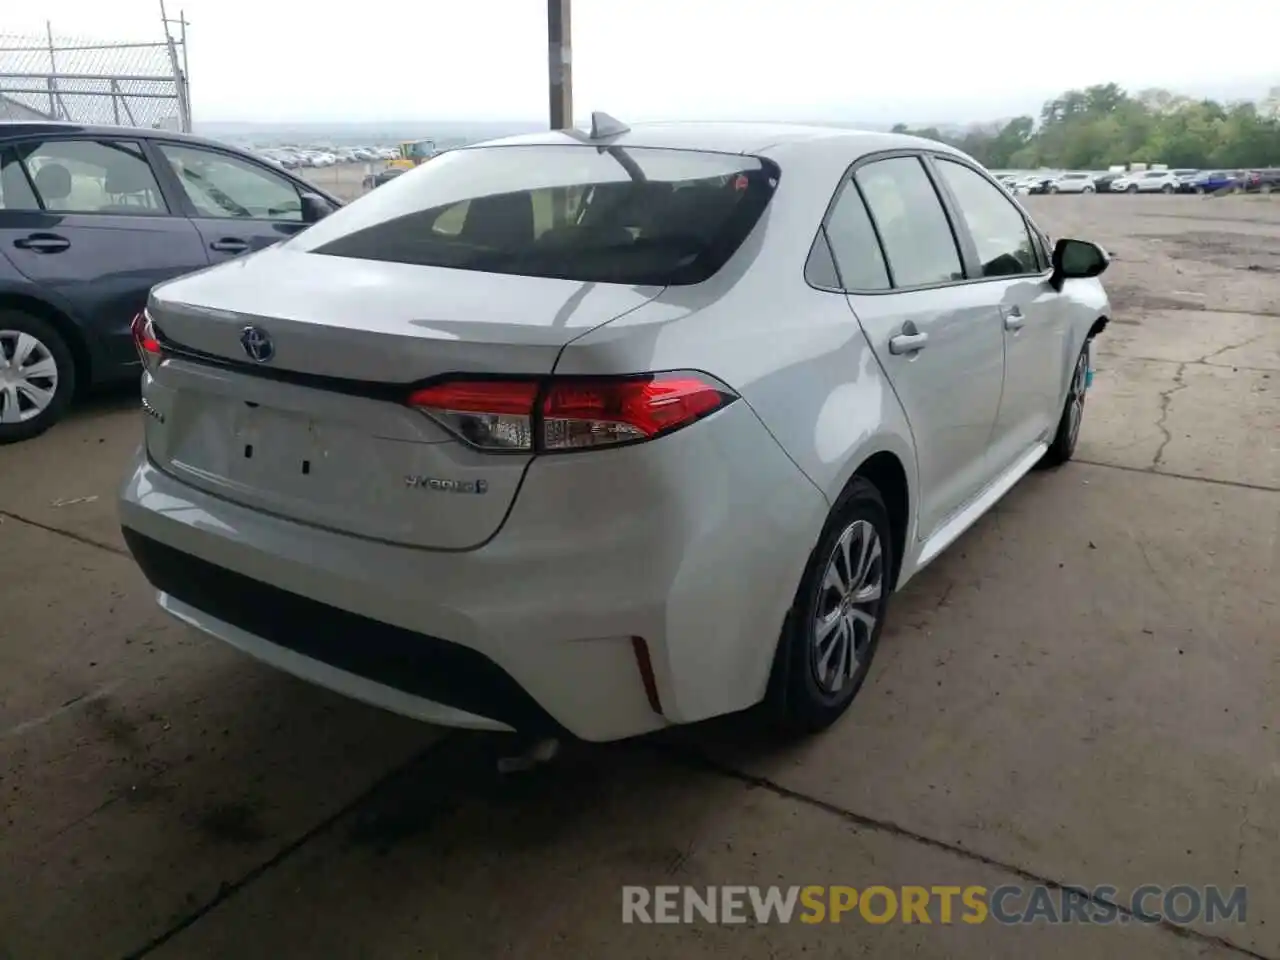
[
  {"x": 913, "y": 226},
  {"x": 92, "y": 176},
  {"x": 220, "y": 185},
  {"x": 577, "y": 212},
  {"x": 15, "y": 189}
]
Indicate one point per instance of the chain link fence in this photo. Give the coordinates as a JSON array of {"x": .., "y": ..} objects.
[{"x": 84, "y": 81}]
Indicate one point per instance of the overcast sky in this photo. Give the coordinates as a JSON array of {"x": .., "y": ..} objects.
[{"x": 916, "y": 60}]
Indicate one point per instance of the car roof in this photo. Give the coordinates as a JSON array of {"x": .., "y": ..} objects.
[
  {"x": 754, "y": 138},
  {"x": 21, "y": 129}
]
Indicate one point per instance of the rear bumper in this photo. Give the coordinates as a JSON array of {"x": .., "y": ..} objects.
[
  {"x": 440, "y": 681},
  {"x": 695, "y": 544}
]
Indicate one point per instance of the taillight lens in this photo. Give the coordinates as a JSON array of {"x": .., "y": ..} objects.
[
  {"x": 146, "y": 342},
  {"x": 592, "y": 413},
  {"x": 570, "y": 413},
  {"x": 489, "y": 414}
]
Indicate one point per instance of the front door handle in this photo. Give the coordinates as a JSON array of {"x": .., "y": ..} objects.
[
  {"x": 42, "y": 243},
  {"x": 1013, "y": 318},
  {"x": 230, "y": 245},
  {"x": 907, "y": 343}
]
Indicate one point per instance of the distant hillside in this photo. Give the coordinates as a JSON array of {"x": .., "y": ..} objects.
[
  {"x": 338, "y": 134},
  {"x": 444, "y": 132}
]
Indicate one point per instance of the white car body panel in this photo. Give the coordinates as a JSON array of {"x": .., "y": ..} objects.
[{"x": 556, "y": 612}]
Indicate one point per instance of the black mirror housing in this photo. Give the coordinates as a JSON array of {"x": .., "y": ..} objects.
[
  {"x": 315, "y": 207},
  {"x": 1077, "y": 260}
]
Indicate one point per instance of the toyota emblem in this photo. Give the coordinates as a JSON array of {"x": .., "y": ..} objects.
[{"x": 257, "y": 344}]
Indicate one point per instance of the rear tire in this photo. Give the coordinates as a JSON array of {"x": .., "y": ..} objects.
[
  {"x": 37, "y": 376},
  {"x": 833, "y": 629},
  {"x": 1063, "y": 447}
]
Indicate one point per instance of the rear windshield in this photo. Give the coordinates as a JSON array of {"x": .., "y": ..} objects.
[{"x": 577, "y": 212}]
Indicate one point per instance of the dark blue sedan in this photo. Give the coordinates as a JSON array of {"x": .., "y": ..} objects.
[
  {"x": 1210, "y": 181},
  {"x": 90, "y": 219}
]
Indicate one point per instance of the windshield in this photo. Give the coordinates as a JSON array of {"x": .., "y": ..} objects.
[{"x": 576, "y": 212}]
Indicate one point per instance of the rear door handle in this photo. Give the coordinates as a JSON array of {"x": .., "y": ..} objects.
[
  {"x": 43, "y": 243},
  {"x": 229, "y": 245},
  {"x": 907, "y": 343},
  {"x": 1013, "y": 318}
]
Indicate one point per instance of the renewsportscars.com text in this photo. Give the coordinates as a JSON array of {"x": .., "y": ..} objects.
[{"x": 1011, "y": 904}]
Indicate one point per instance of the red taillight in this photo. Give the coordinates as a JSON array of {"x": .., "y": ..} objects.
[
  {"x": 588, "y": 413},
  {"x": 570, "y": 413},
  {"x": 489, "y": 414},
  {"x": 145, "y": 340}
]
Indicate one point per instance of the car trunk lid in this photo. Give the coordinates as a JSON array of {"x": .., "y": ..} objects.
[{"x": 318, "y": 429}]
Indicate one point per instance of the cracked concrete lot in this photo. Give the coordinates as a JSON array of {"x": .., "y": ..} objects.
[{"x": 1081, "y": 691}]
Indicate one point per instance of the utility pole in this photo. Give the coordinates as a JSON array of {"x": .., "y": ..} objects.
[{"x": 560, "y": 73}]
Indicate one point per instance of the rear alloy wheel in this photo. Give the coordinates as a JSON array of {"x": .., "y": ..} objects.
[
  {"x": 37, "y": 376},
  {"x": 834, "y": 626},
  {"x": 1063, "y": 447}
]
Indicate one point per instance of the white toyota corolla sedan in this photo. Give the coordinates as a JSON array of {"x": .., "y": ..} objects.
[{"x": 595, "y": 433}]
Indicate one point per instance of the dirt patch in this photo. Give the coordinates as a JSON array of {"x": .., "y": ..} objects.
[
  {"x": 111, "y": 721},
  {"x": 237, "y": 823},
  {"x": 1235, "y": 251},
  {"x": 1132, "y": 298}
]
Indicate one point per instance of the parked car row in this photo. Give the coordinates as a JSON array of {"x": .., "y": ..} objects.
[
  {"x": 293, "y": 157},
  {"x": 1143, "y": 181}
]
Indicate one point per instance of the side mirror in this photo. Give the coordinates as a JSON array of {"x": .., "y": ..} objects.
[
  {"x": 1077, "y": 260},
  {"x": 315, "y": 207}
]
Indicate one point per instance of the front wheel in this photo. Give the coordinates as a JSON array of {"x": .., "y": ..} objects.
[
  {"x": 1063, "y": 447},
  {"x": 1053, "y": 189},
  {"x": 1132, "y": 188},
  {"x": 834, "y": 625},
  {"x": 1167, "y": 188},
  {"x": 37, "y": 376},
  {"x": 1087, "y": 190}
]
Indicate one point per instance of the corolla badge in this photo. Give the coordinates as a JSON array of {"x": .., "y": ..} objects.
[{"x": 257, "y": 344}]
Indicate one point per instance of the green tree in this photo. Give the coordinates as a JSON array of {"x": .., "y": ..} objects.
[{"x": 1103, "y": 125}]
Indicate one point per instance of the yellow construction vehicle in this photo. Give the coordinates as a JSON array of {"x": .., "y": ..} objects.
[{"x": 414, "y": 152}]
